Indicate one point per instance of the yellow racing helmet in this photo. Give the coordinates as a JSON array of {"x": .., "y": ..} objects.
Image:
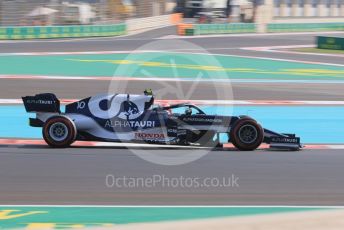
[{"x": 148, "y": 92}]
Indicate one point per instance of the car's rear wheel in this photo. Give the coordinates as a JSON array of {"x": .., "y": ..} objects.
[
  {"x": 246, "y": 134},
  {"x": 59, "y": 132}
]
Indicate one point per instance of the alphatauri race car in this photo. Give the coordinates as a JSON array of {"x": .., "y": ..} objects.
[{"x": 134, "y": 118}]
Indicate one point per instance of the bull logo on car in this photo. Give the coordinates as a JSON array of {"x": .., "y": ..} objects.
[
  {"x": 118, "y": 105},
  {"x": 128, "y": 109}
]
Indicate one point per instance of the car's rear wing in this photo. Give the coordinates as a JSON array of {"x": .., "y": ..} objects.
[{"x": 45, "y": 102}]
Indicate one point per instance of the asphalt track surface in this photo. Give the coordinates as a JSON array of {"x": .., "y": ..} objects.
[
  {"x": 204, "y": 90},
  {"x": 39, "y": 175}
]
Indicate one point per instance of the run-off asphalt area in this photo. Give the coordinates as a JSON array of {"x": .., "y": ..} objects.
[{"x": 39, "y": 175}]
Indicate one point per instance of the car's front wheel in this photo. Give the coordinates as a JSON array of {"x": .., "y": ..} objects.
[
  {"x": 59, "y": 132},
  {"x": 246, "y": 134}
]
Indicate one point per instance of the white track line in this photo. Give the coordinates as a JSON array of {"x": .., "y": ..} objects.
[
  {"x": 213, "y": 102},
  {"x": 171, "y": 206},
  {"x": 21, "y": 142},
  {"x": 279, "y": 49},
  {"x": 268, "y": 48},
  {"x": 165, "y": 79}
]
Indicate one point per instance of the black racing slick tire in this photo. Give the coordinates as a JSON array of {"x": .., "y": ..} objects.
[
  {"x": 59, "y": 132},
  {"x": 246, "y": 134}
]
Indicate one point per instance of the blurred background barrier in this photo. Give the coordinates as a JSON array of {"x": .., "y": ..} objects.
[
  {"x": 32, "y": 32},
  {"x": 332, "y": 43},
  {"x": 202, "y": 29},
  {"x": 185, "y": 29},
  {"x": 304, "y": 27},
  {"x": 141, "y": 24}
]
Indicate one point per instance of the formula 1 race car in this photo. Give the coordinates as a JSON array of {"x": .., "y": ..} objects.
[{"x": 135, "y": 118}]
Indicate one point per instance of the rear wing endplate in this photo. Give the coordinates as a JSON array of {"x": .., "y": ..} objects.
[{"x": 45, "y": 102}]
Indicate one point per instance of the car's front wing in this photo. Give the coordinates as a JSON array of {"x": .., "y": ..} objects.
[{"x": 282, "y": 140}]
